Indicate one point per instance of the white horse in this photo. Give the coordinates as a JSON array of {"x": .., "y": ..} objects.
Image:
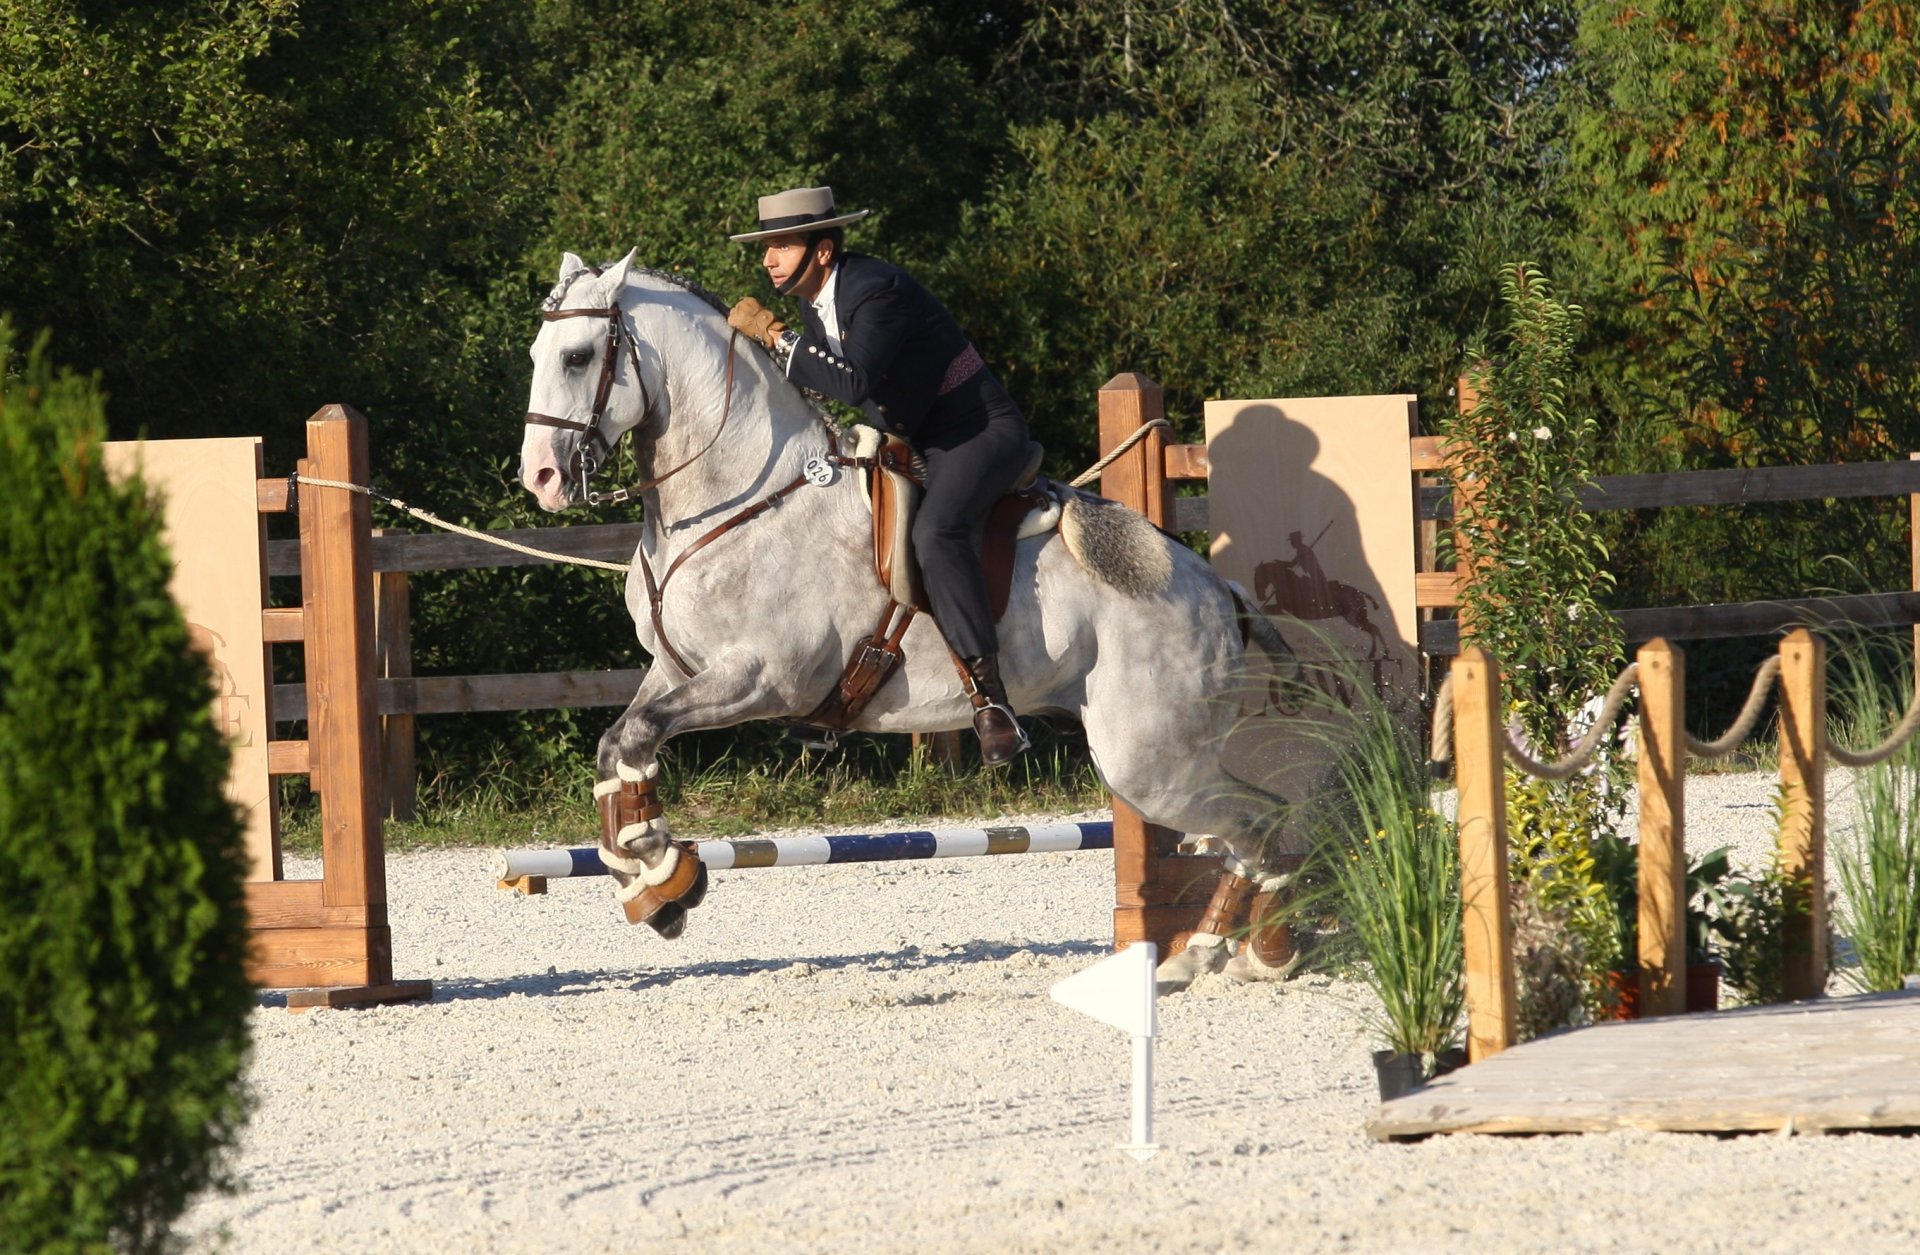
[{"x": 750, "y": 610}]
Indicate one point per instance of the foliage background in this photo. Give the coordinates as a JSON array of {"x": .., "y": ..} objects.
[{"x": 237, "y": 213}]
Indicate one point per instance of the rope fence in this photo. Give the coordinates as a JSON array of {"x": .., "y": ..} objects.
[
  {"x": 1581, "y": 755},
  {"x": 1469, "y": 723}
]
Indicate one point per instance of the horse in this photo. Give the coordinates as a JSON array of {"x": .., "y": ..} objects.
[{"x": 754, "y": 578}]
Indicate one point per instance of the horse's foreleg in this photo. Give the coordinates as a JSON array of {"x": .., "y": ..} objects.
[{"x": 657, "y": 880}]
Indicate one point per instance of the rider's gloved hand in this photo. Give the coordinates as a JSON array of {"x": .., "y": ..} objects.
[{"x": 750, "y": 318}]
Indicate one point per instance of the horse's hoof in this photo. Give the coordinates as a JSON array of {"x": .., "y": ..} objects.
[
  {"x": 1201, "y": 957},
  {"x": 669, "y": 921},
  {"x": 1248, "y": 967},
  {"x": 664, "y": 906}
]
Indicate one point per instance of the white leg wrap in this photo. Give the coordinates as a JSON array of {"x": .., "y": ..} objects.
[
  {"x": 629, "y": 891},
  {"x": 658, "y": 874},
  {"x": 637, "y": 774},
  {"x": 605, "y": 787},
  {"x": 633, "y": 867}
]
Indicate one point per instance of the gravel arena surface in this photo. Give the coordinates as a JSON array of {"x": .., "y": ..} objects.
[{"x": 864, "y": 1058}]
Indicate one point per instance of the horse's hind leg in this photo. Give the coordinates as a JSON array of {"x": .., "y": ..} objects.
[{"x": 1168, "y": 763}]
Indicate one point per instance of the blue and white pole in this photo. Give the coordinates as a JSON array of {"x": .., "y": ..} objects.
[{"x": 864, "y": 847}]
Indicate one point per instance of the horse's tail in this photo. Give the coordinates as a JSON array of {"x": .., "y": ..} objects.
[{"x": 1117, "y": 545}]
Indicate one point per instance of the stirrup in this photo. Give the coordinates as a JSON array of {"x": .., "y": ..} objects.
[
  {"x": 989, "y": 754},
  {"x": 814, "y": 737}
]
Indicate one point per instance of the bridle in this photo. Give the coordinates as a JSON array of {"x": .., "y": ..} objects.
[{"x": 593, "y": 449}]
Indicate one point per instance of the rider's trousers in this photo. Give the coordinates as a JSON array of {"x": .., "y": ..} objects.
[{"x": 972, "y": 459}]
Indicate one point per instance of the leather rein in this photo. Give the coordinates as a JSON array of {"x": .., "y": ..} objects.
[{"x": 591, "y": 452}]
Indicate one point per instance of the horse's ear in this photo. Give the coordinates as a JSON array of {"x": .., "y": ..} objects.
[
  {"x": 569, "y": 265},
  {"x": 615, "y": 277}
]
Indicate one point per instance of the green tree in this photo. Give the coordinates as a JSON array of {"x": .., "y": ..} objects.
[
  {"x": 1261, "y": 198},
  {"x": 124, "y": 1006},
  {"x": 1747, "y": 243}
]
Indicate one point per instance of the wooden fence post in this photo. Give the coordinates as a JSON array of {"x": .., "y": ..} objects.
[
  {"x": 1479, "y": 751},
  {"x": 1913, "y": 558},
  {"x": 393, "y": 660},
  {"x": 1662, "y": 923},
  {"x": 1465, "y": 489},
  {"x": 1158, "y": 894},
  {"x": 1803, "y": 837}
]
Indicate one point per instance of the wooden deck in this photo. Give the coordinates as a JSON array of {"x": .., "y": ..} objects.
[{"x": 1809, "y": 1067}]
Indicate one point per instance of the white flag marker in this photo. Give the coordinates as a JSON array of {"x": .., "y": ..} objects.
[{"x": 1119, "y": 990}]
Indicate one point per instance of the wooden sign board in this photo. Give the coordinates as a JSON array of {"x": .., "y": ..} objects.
[
  {"x": 216, "y": 533},
  {"x": 1310, "y": 503}
]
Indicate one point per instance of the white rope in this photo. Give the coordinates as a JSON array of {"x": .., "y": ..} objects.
[
  {"x": 1093, "y": 472},
  {"x": 456, "y": 528},
  {"x": 1749, "y": 715},
  {"x": 1578, "y": 758},
  {"x": 1581, "y": 754},
  {"x": 1883, "y": 751}
]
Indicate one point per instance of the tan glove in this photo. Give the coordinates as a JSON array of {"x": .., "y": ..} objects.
[{"x": 750, "y": 318}]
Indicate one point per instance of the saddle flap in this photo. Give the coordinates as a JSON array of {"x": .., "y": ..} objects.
[{"x": 895, "y": 496}]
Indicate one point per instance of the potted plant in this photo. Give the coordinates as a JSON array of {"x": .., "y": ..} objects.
[
  {"x": 1393, "y": 863},
  {"x": 1714, "y": 897}
]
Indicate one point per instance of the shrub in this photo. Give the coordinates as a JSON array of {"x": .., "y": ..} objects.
[
  {"x": 123, "y": 1004},
  {"x": 1392, "y": 862},
  {"x": 1879, "y": 868}
]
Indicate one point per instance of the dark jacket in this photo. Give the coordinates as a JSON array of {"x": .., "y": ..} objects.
[{"x": 902, "y": 350}]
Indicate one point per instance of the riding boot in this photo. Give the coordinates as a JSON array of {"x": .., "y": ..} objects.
[
  {"x": 1211, "y": 943},
  {"x": 993, "y": 719}
]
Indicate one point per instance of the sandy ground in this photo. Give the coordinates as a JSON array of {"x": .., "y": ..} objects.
[{"x": 866, "y": 1059}]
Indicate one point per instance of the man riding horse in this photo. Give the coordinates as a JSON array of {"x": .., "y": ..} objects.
[{"x": 875, "y": 338}]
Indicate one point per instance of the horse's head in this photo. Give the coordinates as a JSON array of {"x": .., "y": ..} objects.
[{"x": 588, "y": 390}]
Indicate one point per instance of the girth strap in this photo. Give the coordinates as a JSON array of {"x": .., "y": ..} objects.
[{"x": 873, "y": 662}]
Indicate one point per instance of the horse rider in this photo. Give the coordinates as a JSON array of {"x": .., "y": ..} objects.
[{"x": 874, "y": 338}]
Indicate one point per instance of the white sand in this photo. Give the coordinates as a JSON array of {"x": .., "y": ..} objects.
[{"x": 865, "y": 1059}]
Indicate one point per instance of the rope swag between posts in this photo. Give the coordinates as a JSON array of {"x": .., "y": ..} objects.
[{"x": 1581, "y": 755}]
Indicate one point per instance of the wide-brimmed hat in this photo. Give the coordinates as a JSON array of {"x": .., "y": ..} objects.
[{"x": 799, "y": 209}]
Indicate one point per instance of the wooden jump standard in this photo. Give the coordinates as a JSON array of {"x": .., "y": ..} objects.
[{"x": 327, "y": 940}]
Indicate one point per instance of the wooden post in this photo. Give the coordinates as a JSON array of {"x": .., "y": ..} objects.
[
  {"x": 1159, "y": 894},
  {"x": 351, "y": 953},
  {"x": 945, "y": 748},
  {"x": 1913, "y": 551},
  {"x": 1479, "y": 752},
  {"x": 393, "y": 660},
  {"x": 1465, "y": 489},
  {"x": 1803, "y": 764},
  {"x": 1663, "y": 830}
]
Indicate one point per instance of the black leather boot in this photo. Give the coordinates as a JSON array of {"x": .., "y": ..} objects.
[{"x": 993, "y": 720}]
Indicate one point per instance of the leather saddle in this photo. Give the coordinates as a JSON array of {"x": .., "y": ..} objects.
[{"x": 894, "y": 480}]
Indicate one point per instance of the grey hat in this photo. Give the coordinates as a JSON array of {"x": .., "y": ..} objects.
[{"x": 799, "y": 209}]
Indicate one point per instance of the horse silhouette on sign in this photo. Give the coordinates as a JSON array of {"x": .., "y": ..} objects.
[{"x": 1298, "y": 586}]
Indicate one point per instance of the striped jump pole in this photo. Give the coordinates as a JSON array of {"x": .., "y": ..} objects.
[{"x": 529, "y": 870}]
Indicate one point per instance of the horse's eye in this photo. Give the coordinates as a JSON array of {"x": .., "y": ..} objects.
[{"x": 578, "y": 358}]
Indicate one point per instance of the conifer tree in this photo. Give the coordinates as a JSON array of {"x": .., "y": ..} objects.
[{"x": 123, "y": 1001}]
